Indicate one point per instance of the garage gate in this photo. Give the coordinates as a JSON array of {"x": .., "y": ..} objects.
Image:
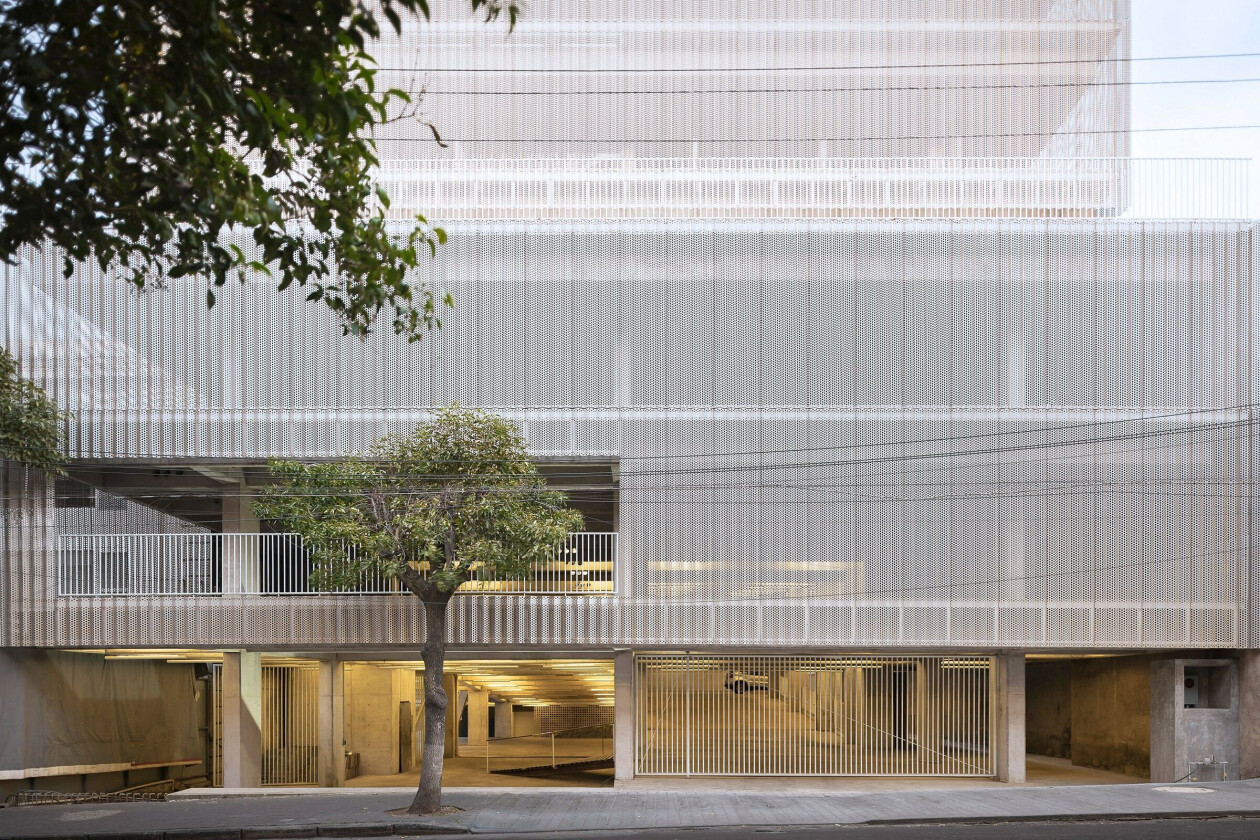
[{"x": 860, "y": 715}]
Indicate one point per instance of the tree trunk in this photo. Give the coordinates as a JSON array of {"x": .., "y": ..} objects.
[{"x": 429, "y": 792}]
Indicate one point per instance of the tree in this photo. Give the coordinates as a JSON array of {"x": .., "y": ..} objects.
[
  {"x": 30, "y": 422},
  {"x": 456, "y": 500},
  {"x": 136, "y": 133}
]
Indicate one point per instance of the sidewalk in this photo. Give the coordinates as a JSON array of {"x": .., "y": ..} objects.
[{"x": 306, "y": 812}]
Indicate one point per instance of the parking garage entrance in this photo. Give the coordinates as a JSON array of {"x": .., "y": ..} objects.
[
  {"x": 860, "y": 715},
  {"x": 513, "y": 722}
]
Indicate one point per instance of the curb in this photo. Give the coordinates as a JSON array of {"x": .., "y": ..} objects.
[
  {"x": 264, "y": 833},
  {"x": 1136, "y": 816},
  {"x": 413, "y": 829}
]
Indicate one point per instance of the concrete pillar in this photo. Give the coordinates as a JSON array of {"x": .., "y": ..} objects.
[
  {"x": 331, "y": 711},
  {"x": 478, "y": 716},
  {"x": 242, "y": 719},
  {"x": 450, "y": 682},
  {"x": 1008, "y": 696},
  {"x": 623, "y": 716},
  {"x": 240, "y": 553},
  {"x": 1248, "y": 715},
  {"x": 502, "y": 718}
]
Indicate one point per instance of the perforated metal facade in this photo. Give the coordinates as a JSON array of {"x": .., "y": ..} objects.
[{"x": 932, "y": 401}]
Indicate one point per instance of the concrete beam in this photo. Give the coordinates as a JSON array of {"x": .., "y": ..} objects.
[
  {"x": 1009, "y": 739},
  {"x": 242, "y": 719}
]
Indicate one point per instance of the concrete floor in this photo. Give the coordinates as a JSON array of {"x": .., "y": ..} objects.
[{"x": 470, "y": 771}]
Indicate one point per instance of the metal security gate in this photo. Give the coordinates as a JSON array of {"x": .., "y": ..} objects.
[
  {"x": 290, "y": 725},
  {"x": 867, "y": 715}
]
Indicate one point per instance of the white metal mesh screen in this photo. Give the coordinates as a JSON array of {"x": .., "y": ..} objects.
[
  {"x": 782, "y": 396},
  {"x": 857, "y": 715},
  {"x": 863, "y": 78}
]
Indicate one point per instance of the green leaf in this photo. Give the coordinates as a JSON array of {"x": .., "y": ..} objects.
[{"x": 152, "y": 168}]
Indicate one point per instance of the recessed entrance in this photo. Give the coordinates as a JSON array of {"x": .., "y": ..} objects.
[{"x": 521, "y": 722}]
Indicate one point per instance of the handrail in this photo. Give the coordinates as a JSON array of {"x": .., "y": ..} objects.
[
  {"x": 182, "y": 564},
  {"x": 791, "y": 187},
  {"x": 552, "y": 734}
]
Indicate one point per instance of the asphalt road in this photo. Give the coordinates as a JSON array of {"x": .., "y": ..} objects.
[{"x": 1185, "y": 829}]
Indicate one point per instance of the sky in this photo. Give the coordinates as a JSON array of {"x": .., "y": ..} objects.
[{"x": 1187, "y": 27}]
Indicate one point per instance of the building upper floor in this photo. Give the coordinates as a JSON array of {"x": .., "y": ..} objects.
[
  {"x": 578, "y": 328},
  {"x": 857, "y": 78}
]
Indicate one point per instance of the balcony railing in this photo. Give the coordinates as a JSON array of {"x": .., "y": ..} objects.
[
  {"x": 102, "y": 565},
  {"x": 819, "y": 188}
]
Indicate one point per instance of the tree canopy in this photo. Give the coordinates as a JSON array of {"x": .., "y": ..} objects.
[
  {"x": 458, "y": 499},
  {"x": 30, "y": 422},
  {"x": 137, "y": 132}
]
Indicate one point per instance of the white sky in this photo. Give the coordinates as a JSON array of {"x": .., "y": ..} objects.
[{"x": 1195, "y": 27}]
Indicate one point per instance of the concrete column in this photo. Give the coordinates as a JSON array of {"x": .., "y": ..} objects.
[
  {"x": 1008, "y": 697},
  {"x": 623, "y": 716},
  {"x": 332, "y": 710},
  {"x": 450, "y": 682},
  {"x": 502, "y": 718},
  {"x": 1248, "y": 715},
  {"x": 240, "y": 553},
  {"x": 478, "y": 716},
  {"x": 242, "y": 719}
]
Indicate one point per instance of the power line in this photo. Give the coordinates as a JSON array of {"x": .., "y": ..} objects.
[
  {"x": 664, "y": 493},
  {"x": 836, "y": 414},
  {"x": 873, "y": 89},
  {"x": 872, "y": 139},
  {"x": 628, "y": 478},
  {"x": 868, "y": 461},
  {"x": 824, "y": 68}
]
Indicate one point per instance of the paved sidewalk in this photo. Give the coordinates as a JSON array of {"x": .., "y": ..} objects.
[{"x": 364, "y": 812}]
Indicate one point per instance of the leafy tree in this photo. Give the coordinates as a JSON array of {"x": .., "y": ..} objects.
[
  {"x": 30, "y": 422},
  {"x": 458, "y": 499},
  {"x": 137, "y": 132}
]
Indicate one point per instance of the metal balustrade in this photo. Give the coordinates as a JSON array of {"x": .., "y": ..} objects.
[
  {"x": 817, "y": 188},
  {"x": 99, "y": 565}
]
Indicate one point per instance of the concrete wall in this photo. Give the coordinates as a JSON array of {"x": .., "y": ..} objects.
[
  {"x": 1049, "y": 708},
  {"x": 373, "y": 695},
  {"x": 78, "y": 722},
  {"x": 523, "y": 721},
  {"x": 1208, "y": 732},
  {"x": 1111, "y": 714}
]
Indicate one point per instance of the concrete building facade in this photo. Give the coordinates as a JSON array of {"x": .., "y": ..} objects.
[{"x": 903, "y": 408}]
